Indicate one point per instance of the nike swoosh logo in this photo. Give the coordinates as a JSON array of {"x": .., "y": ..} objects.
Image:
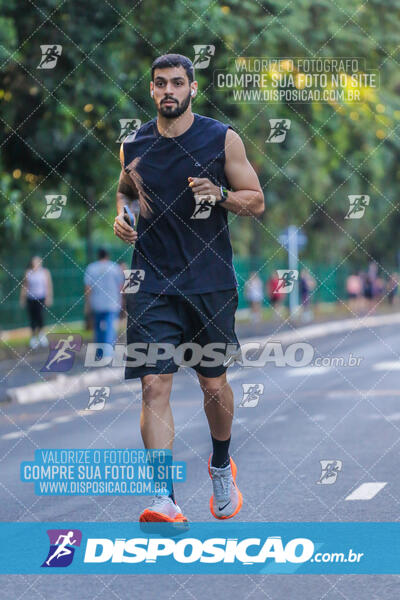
[
  {"x": 229, "y": 361},
  {"x": 224, "y": 506}
]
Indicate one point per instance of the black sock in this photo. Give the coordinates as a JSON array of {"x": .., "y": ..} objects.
[{"x": 220, "y": 457}]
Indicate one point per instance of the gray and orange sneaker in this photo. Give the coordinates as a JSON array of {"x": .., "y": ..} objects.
[
  {"x": 162, "y": 510},
  {"x": 227, "y": 499}
]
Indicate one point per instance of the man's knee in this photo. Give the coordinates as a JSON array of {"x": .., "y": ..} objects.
[
  {"x": 213, "y": 387},
  {"x": 156, "y": 389}
]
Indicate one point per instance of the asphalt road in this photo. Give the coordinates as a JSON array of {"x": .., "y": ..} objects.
[{"x": 305, "y": 415}]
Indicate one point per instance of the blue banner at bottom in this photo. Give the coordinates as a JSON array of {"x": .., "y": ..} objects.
[{"x": 200, "y": 548}]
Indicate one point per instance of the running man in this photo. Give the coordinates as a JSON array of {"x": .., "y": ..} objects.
[
  {"x": 62, "y": 549},
  {"x": 189, "y": 291},
  {"x": 64, "y": 348},
  {"x": 50, "y": 55}
]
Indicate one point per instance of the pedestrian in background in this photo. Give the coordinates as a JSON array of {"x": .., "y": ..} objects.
[
  {"x": 36, "y": 293},
  {"x": 307, "y": 284},
  {"x": 253, "y": 291},
  {"x": 103, "y": 283},
  {"x": 392, "y": 287},
  {"x": 354, "y": 289},
  {"x": 276, "y": 298}
]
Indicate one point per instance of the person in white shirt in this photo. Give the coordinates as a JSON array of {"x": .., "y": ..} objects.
[
  {"x": 36, "y": 293},
  {"x": 254, "y": 295}
]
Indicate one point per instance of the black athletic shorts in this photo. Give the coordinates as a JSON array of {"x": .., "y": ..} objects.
[{"x": 201, "y": 319}]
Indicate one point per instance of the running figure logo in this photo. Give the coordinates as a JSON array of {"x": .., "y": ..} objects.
[
  {"x": 62, "y": 351},
  {"x": 287, "y": 277},
  {"x": 54, "y": 206},
  {"x": 279, "y": 129},
  {"x": 50, "y": 56},
  {"x": 128, "y": 126},
  {"x": 329, "y": 471},
  {"x": 204, "y": 204},
  {"x": 97, "y": 397},
  {"x": 251, "y": 394},
  {"x": 202, "y": 56},
  {"x": 357, "y": 206},
  {"x": 133, "y": 279},
  {"x": 61, "y": 551}
]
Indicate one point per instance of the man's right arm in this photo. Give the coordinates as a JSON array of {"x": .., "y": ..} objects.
[{"x": 126, "y": 192}]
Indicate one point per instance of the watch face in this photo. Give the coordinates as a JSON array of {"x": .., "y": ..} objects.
[{"x": 224, "y": 194}]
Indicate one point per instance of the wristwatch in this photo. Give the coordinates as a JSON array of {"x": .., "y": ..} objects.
[{"x": 224, "y": 194}]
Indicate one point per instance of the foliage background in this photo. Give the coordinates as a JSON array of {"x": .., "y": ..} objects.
[{"x": 59, "y": 127}]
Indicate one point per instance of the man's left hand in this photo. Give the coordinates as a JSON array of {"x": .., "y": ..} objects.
[{"x": 203, "y": 186}]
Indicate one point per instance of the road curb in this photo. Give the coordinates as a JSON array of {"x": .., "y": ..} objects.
[
  {"x": 329, "y": 327},
  {"x": 62, "y": 386}
]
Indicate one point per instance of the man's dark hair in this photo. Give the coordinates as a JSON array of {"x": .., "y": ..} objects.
[
  {"x": 173, "y": 60},
  {"x": 102, "y": 253}
]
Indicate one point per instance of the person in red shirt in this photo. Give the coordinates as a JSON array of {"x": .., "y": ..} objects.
[{"x": 275, "y": 297}]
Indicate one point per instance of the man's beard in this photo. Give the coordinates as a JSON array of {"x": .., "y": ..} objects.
[{"x": 172, "y": 112}]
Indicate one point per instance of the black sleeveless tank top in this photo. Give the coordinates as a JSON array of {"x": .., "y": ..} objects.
[{"x": 183, "y": 245}]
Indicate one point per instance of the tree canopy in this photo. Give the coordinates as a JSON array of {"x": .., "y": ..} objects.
[{"x": 60, "y": 126}]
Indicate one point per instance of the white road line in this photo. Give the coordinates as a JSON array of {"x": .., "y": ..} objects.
[
  {"x": 136, "y": 387},
  {"x": 123, "y": 400},
  {"x": 366, "y": 491},
  {"x": 392, "y": 417},
  {"x": 358, "y": 393},
  {"x": 63, "y": 385},
  {"x": 301, "y": 371},
  {"x": 40, "y": 426},
  {"x": 237, "y": 375},
  {"x": 64, "y": 419},
  {"x": 389, "y": 365},
  {"x": 13, "y": 435},
  {"x": 126, "y": 387},
  {"x": 87, "y": 413},
  {"x": 278, "y": 419}
]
